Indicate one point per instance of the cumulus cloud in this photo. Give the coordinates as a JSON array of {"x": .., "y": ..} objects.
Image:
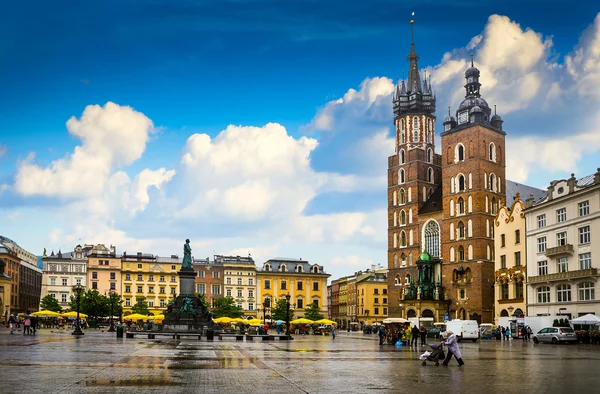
[{"x": 583, "y": 64}]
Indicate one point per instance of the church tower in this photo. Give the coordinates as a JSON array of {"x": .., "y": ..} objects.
[
  {"x": 414, "y": 173},
  {"x": 473, "y": 173}
]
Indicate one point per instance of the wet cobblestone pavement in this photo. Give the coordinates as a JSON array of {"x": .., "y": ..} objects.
[{"x": 352, "y": 363}]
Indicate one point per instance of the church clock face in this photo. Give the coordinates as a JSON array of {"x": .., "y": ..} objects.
[{"x": 463, "y": 117}]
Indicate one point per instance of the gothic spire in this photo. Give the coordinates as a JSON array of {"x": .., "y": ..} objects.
[{"x": 414, "y": 79}]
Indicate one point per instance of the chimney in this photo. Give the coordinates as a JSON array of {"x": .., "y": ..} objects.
[
  {"x": 597, "y": 177},
  {"x": 529, "y": 202},
  {"x": 572, "y": 182}
]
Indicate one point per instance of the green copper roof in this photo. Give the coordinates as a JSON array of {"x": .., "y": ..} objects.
[{"x": 425, "y": 256}]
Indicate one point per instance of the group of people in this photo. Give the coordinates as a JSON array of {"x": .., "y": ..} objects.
[
  {"x": 29, "y": 323},
  {"x": 525, "y": 333},
  {"x": 406, "y": 334}
]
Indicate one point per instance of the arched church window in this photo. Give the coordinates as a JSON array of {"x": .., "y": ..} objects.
[
  {"x": 402, "y": 197},
  {"x": 402, "y": 217},
  {"x": 431, "y": 236},
  {"x": 403, "y": 239},
  {"x": 459, "y": 153},
  {"x": 430, "y": 175},
  {"x": 395, "y": 261},
  {"x": 429, "y": 155},
  {"x": 461, "y": 230},
  {"x": 492, "y": 152},
  {"x": 461, "y": 205},
  {"x": 492, "y": 182},
  {"x": 403, "y": 260},
  {"x": 402, "y": 138},
  {"x": 461, "y": 183},
  {"x": 397, "y": 280},
  {"x": 401, "y": 176},
  {"x": 415, "y": 129},
  {"x": 461, "y": 253},
  {"x": 402, "y": 156}
]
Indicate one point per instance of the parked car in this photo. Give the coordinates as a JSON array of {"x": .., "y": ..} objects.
[{"x": 555, "y": 335}]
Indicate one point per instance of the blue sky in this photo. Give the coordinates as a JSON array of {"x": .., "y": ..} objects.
[{"x": 196, "y": 67}]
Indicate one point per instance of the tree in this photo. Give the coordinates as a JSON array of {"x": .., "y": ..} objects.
[
  {"x": 92, "y": 303},
  {"x": 226, "y": 306},
  {"x": 141, "y": 306},
  {"x": 117, "y": 304},
  {"x": 279, "y": 311},
  {"x": 313, "y": 312},
  {"x": 50, "y": 303}
]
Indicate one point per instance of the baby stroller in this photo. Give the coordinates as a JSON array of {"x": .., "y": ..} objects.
[{"x": 437, "y": 353}]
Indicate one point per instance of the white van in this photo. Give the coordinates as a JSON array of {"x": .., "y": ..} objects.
[{"x": 464, "y": 329}]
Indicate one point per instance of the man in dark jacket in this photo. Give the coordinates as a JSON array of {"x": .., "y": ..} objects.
[
  {"x": 415, "y": 335},
  {"x": 423, "y": 332}
]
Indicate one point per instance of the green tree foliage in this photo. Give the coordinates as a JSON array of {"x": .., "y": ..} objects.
[
  {"x": 226, "y": 307},
  {"x": 279, "y": 311},
  {"x": 313, "y": 312},
  {"x": 50, "y": 303},
  {"x": 141, "y": 306},
  {"x": 117, "y": 304},
  {"x": 92, "y": 303}
]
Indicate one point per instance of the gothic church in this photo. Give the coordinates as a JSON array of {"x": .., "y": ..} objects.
[{"x": 441, "y": 208}]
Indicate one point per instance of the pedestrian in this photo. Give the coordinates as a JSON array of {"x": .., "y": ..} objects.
[
  {"x": 503, "y": 332},
  {"x": 333, "y": 332},
  {"x": 381, "y": 335},
  {"x": 507, "y": 333},
  {"x": 415, "y": 335},
  {"x": 26, "y": 325},
  {"x": 12, "y": 323},
  {"x": 34, "y": 323},
  {"x": 529, "y": 332},
  {"x": 423, "y": 333},
  {"x": 453, "y": 349}
]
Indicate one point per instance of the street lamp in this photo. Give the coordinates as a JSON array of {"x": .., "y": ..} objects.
[
  {"x": 265, "y": 304},
  {"x": 77, "y": 289},
  {"x": 287, "y": 316},
  {"x": 111, "y": 299}
]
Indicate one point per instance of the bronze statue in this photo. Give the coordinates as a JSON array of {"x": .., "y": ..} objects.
[{"x": 187, "y": 255}]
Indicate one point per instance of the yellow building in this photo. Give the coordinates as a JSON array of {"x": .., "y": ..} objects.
[
  {"x": 104, "y": 269},
  {"x": 149, "y": 276},
  {"x": 343, "y": 303},
  {"x": 510, "y": 261},
  {"x": 371, "y": 297},
  {"x": 306, "y": 284}
]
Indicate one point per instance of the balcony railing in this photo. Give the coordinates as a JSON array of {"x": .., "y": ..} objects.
[
  {"x": 564, "y": 275},
  {"x": 558, "y": 250}
]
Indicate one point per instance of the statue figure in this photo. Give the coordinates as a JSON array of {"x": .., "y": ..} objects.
[
  {"x": 187, "y": 307},
  {"x": 187, "y": 255},
  {"x": 44, "y": 255}
]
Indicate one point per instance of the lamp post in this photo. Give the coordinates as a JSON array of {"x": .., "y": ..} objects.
[
  {"x": 111, "y": 299},
  {"x": 287, "y": 315},
  {"x": 77, "y": 289},
  {"x": 265, "y": 306}
]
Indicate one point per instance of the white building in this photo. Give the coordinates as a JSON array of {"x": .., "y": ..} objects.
[
  {"x": 62, "y": 271},
  {"x": 562, "y": 265},
  {"x": 239, "y": 276}
]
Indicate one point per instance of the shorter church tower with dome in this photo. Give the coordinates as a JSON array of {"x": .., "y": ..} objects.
[{"x": 441, "y": 206}]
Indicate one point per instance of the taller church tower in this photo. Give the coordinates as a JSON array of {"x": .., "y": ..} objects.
[
  {"x": 414, "y": 174},
  {"x": 473, "y": 176}
]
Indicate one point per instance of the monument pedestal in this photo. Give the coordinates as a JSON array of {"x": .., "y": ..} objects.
[{"x": 187, "y": 313}]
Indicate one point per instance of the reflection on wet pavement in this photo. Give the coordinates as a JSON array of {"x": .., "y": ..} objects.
[{"x": 101, "y": 363}]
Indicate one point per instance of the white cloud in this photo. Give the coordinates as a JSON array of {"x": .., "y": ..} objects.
[{"x": 584, "y": 63}]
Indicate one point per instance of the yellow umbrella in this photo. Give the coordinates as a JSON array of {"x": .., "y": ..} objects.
[
  {"x": 157, "y": 318},
  {"x": 326, "y": 321},
  {"x": 223, "y": 319},
  {"x": 136, "y": 317},
  {"x": 74, "y": 314},
  {"x": 302, "y": 321},
  {"x": 254, "y": 322},
  {"x": 45, "y": 313},
  {"x": 239, "y": 320}
]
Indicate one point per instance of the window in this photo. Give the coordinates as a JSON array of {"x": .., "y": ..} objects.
[
  {"x": 127, "y": 301},
  {"x": 250, "y": 293},
  {"x": 127, "y": 276},
  {"x": 151, "y": 303},
  {"x": 519, "y": 290},
  {"x": 461, "y": 205},
  {"x": 432, "y": 238},
  {"x": 517, "y": 259},
  {"x": 402, "y": 197},
  {"x": 173, "y": 267},
  {"x": 63, "y": 298},
  {"x": 461, "y": 253},
  {"x": 541, "y": 220},
  {"x": 430, "y": 178},
  {"x": 113, "y": 276},
  {"x": 462, "y": 294},
  {"x": 541, "y": 244},
  {"x": 150, "y": 278},
  {"x": 492, "y": 152},
  {"x": 585, "y": 261},
  {"x": 300, "y": 303},
  {"x": 250, "y": 306},
  {"x": 240, "y": 293},
  {"x": 95, "y": 285},
  {"x": 139, "y": 277},
  {"x": 459, "y": 153},
  {"x": 401, "y": 176},
  {"x": 162, "y": 290},
  {"x": 94, "y": 275},
  {"x": 505, "y": 291},
  {"x": 173, "y": 278},
  {"x": 127, "y": 289},
  {"x": 584, "y": 235},
  {"x": 503, "y": 261},
  {"x": 402, "y": 157},
  {"x": 429, "y": 156},
  {"x": 415, "y": 129},
  {"x": 586, "y": 291},
  {"x": 376, "y": 311},
  {"x": 52, "y": 281},
  {"x": 517, "y": 236},
  {"x": 173, "y": 290},
  {"x": 140, "y": 289},
  {"x": 561, "y": 215},
  {"x": 385, "y": 312},
  {"x": 200, "y": 274},
  {"x": 563, "y": 293},
  {"x": 267, "y": 284},
  {"x": 376, "y": 301},
  {"x": 461, "y": 183},
  {"x": 543, "y": 294},
  {"x": 240, "y": 305},
  {"x": 502, "y": 240},
  {"x": 162, "y": 303},
  {"x": 461, "y": 230},
  {"x": 201, "y": 288},
  {"x": 561, "y": 238},
  {"x": 215, "y": 274},
  {"x": 283, "y": 285},
  {"x": 542, "y": 267},
  {"x": 139, "y": 266},
  {"x": 228, "y": 281},
  {"x": 64, "y": 282},
  {"x": 239, "y": 281},
  {"x": 562, "y": 264},
  {"x": 402, "y": 217},
  {"x": 113, "y": 286},
  {"x": 228, "y": 293},
  {"x": 216, "y": 289},
  {"x": 584, "y": 208},
  {"x": 162, "y": 278},
  {"x": 299, "y": 285}
]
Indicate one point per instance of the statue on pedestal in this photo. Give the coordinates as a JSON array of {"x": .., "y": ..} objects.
[{"x": 187, "y": 255}]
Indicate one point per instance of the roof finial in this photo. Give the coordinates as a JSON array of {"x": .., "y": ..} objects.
[
  {"x": 472, "y": 60},
  {"x": 448, "y": 110},
  {"x": 494, "y": 109},
  {"x": 403, "y": 75}
]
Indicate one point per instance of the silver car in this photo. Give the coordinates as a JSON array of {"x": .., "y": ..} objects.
[{"x": 555, "y": 335}]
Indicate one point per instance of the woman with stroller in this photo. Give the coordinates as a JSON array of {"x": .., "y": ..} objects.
[{"x": 453, "y": 349}]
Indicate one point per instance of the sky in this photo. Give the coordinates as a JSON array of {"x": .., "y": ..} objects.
[{"x": 263, "y": 127}]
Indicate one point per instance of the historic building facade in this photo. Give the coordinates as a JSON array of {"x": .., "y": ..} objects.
[
  {"x": 23, "y": 286},
  {"x": 510, "y": 261},
  {"x": 371, "y": 293},
  {"x": 444, "y": 204},
  {"x": 562, "y": 249},
  {"x": 305, "y": 282},
  {"x": 62, "y": 271},
  {"x": 104, "y": 269},
  {"x": 209, "y": 278},
  {"x": 239, "y": 274}
]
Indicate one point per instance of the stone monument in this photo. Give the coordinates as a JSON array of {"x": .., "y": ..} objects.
[{"x": 187, "y": 312}]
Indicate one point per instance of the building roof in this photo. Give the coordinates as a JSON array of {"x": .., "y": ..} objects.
[
  {"x": 585, "y": 181},
  {"x": 433, "y": 203},
  {"x": 291, "y": 265},
  {"x": 525, "y": 192},
  {"x": 172, "y": 260},
  {"x": 234, "y": 259}
]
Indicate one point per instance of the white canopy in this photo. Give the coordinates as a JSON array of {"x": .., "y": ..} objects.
[
  {"x": 395, "y": 320},
  {"x": 586, "y": 319}
]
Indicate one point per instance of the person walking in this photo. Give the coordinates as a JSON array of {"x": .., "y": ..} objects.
[
  {"x": 423, "y": 333},
  {"x": 415, "y": 335},
  {"x": 507, "y": 334},
  {"x": 453, "y": 349},
  {"x": 26, "y": 325},
  {"x": 333, "y": 332},
  {"x": 503, "y": 330},
  {"x": 528, "y": 332},
  {"x": 12, "y": 323},
  {"x": 381, "y": 335}
]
